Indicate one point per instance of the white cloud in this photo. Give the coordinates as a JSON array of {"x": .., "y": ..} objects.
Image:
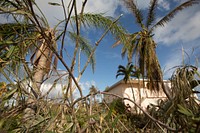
[
  {"x": 109, "y": 7},
  {"x": 55, "y": 13},
  {"x": 143, "y": 4},
  {"x": 86, "y": 85},
  {"x": 181, "y": 31},
  {"x": 105, "y": 6},
  {"x": 57, "y": 90},
  {"x": 163, "y": 4},
  {"x": 3, "y": 19},
  {"x": 183, "y": 28}
]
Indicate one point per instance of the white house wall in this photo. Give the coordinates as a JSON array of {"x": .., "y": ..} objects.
[
  {"x": 131, "y": 89},
  {"x": 147, "y": 97},
  {"x": 118, "y": 91}
]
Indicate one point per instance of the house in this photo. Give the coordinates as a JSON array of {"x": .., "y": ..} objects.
[{"x": 136, "y": 90}]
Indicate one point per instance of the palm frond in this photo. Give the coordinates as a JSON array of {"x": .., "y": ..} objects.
[
  {"x": 15, "y": 41},
  {"x": 128, "y": 72},
  {"x": 182, "y": 80},
  {"x": 118, "y": 42},
  {"x": 151, "y": 13},
  {"x": 131, "y": 5},
  {"x": 8, "y": 3},
  {"x": 100, "y": 21},
  {"x": 85, "y": 47},
  {"x": 119, "y": 74},
  {"x": 120, "y": 67},
  {"x": 171, "y": 15}
]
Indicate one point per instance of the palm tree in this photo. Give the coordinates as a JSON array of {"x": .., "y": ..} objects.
[
  {"x": 142, "y": 45},
  {"x": 127, "y": 72},
  {"x": 28, "y": 31}
]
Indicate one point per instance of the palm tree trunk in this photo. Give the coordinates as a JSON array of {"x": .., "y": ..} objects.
[
  {"x": 41, "y": 68},
  {"x": 42, "y": 65}
]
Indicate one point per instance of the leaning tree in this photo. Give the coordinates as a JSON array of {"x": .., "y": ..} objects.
[{"x": 142, "y": 44}]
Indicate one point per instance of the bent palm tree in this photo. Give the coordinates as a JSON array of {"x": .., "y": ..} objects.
[
  {"x": 29, "y": 31},
  {"x": 142, "y": 45}
]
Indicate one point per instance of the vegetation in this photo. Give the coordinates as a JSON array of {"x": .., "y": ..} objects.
[{"x": 30, "y": 50}]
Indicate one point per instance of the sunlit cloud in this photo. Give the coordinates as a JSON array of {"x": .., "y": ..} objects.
[
  {"x": 183, "y": 28},
  {"x": 55, "y": 91},
  {"x": 164, "y": 5},
  {"x": 86, "y": 85},
  {"x": 55, "y": 13},
  {"x": 59, "y": 89}
]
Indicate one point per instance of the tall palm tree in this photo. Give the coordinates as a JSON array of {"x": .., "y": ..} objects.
[{"x": 142, "y": 45}]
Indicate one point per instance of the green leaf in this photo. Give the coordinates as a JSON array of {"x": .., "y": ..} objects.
[
  {"x": 105, "y": 130},
  {"x": 1, "y": 123},
  {"x": 10, "y": 52},
  {"x": 68, "y": 127},
  {"x": 111, "y": 110},
  {"x": 10, "y": 94},
  {"x": 185, "y": 111},
  {"x": 115, "y": 121},
  {"x": 6, "y": 42}
]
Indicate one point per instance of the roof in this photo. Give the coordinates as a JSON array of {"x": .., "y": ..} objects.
[{"x": 133, "y": 81}]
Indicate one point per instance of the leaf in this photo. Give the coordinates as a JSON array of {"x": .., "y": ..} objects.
[
  {"x": 38, "y": 122},
  {"x": 1, "y": 123},
  {"x": 115, "y": 121},
  {"x": 105, "y": 130},
  {"x": 185, "y": 111},
  {"x": 10, "y": 52},
  {"x": 68, "y": 127},
  {"x": 110, "y": 110},
  {"x": 54, "y": 4},
  {"x": 10, "y": 94},
  {"x": 23, "y": 12},
  {"x": 6, "y": 42}
]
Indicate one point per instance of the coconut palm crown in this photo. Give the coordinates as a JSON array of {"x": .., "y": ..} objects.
[
  {"x": 128, "y": 72},
  {"x": 141, "y": 43}
]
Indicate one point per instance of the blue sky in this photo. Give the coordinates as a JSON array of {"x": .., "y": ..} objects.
[{"x": 183, "y": 32}]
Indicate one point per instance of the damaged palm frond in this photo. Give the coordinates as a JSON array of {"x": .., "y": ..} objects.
[
  {"x": 151, "y": 13},
  {"x": 100, "y": 21},
  {"x": 132, "y": 6},
  {"x": 15, "y": 41},
  {"x": 171, "y": 14},
  {"x": 184, "y": 80},
  {"x": 85, "y": 46}
]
